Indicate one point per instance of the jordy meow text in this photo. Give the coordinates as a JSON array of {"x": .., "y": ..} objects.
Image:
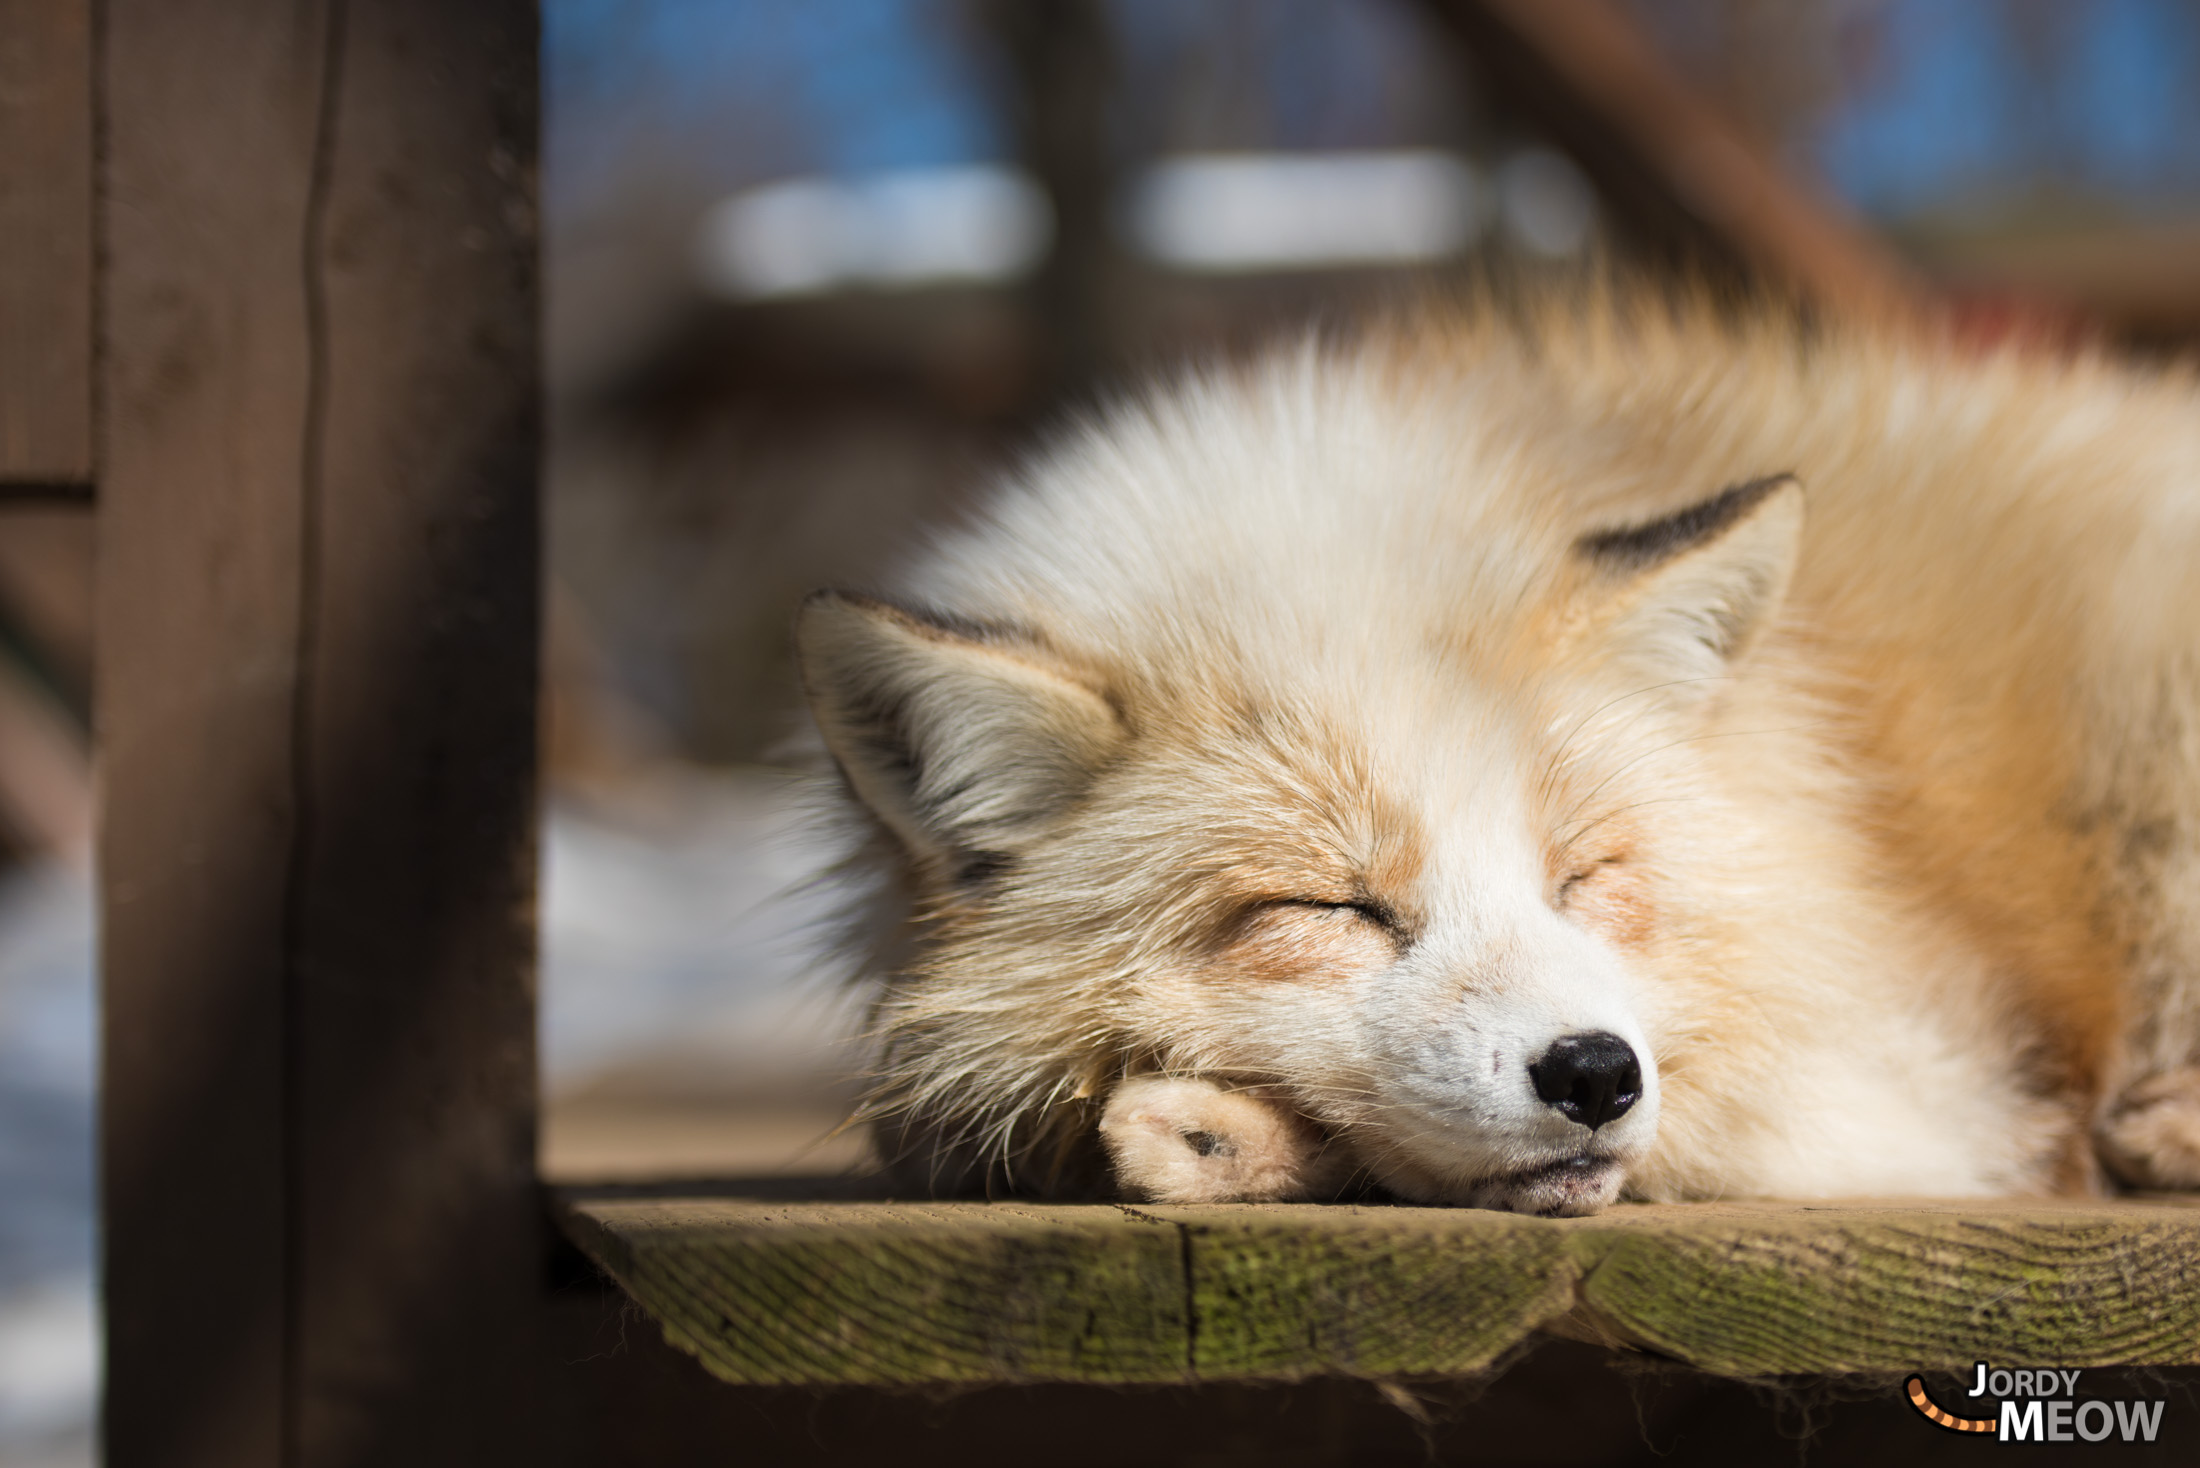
[{"x": 2041, "y": 1404}]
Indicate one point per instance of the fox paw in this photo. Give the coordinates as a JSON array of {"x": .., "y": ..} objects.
[
  {"x": 2149, "y": 1136},
  {"x": 1175, "y": 1140}
]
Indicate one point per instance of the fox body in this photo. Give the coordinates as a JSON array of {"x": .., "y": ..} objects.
[{"x": 1581, "y": 748}]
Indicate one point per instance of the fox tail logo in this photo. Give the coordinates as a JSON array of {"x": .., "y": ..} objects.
[{"x": 1915, "y": 1386}]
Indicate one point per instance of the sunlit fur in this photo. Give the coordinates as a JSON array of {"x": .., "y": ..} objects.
[{"x": 1896, "y": 899}]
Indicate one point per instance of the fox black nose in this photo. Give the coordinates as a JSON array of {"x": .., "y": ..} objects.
[{"x": 1592, "y": 1077}]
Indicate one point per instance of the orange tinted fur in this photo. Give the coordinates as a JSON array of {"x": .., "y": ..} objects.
[{"x": 1961, "y": 756}]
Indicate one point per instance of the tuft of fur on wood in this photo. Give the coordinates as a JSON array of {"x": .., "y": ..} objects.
[
  {"x": 2150, "y": 1135},
  {"x": 1805, "y": 719}
]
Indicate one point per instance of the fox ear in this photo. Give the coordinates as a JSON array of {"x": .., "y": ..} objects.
[
  {"x": 964, "y": 740},
  {"x": 1699, "y": 585}
]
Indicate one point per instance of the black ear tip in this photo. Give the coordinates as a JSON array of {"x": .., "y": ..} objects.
[
  {"x": 1637, "y": 547},
  {"x": 833, "y": 596},
  {"x": 829, "y": 606},
  {"x": 806, "y": 611},
  {"x": 826, "y": 624}
]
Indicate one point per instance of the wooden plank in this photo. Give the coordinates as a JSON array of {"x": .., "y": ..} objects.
[
  {"x": 316, "y": 691},
  {"x": 46, "y": 241},
  {"x": 1765, "y": 1292},
  {"x": 1288, "y": 1293},
  {"x": 884, "y": 1293},
  {"x": 888, "y": 1294}
]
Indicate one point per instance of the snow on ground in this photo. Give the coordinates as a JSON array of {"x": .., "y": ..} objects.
[
  {"x": 675, "y": 937},
  {"x": 681, "y": 937},
  {"x": 49, "y": 1319}
]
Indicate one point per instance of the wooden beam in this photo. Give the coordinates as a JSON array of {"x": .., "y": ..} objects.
[
  {"x": 899, "y": 1294},
  {"x": 46, "y": 241},
  {"x": 46, "y": 581},
  {"x": 1061, "y": 56},
  {"x": 316, "y": 686},
  {"x": 210, "y": 126},
  {"x": 1686, "y": 183},
  {"x": 45, "y": 778}
]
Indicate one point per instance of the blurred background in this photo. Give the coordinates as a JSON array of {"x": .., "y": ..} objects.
[{"x": 815, "y": 271}]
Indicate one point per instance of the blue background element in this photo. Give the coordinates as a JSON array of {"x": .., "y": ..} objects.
[
  {"x": 1949, "y": 105},
  {"x": 1956, "y": 111}
]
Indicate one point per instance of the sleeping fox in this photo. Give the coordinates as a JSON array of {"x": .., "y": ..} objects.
[{"x": 1546, "y": 752}]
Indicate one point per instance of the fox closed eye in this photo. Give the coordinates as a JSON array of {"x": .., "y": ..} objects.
[
  {"x": 1293, "y": 938},
  {"x": 1579, "y": 875},
  {"x": 1363, "y": 909}
]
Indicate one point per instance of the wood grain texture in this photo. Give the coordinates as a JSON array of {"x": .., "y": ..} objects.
[
  {"x": 825, "y": 1293},
  {"x": 418, "y": 1229},
  {"x": 884, "y": 1293},
  {"x": 209, "y": 167},
  {"x": 1283, "y": 1293},
  {"x": 46, "y": 241},
  {"x": 1762, "y": 1292},
  {"x": 319, "y": 559}
]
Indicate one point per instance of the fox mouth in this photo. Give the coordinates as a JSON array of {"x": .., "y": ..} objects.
[
  {"x": 1562, "y": 1185},
  {"x": 1567, "y": 1188}
]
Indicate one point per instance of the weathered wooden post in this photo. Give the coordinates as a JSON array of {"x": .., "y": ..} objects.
[
  {"x": 319, "y": 541},
  {"x": 45, "y": 248}
]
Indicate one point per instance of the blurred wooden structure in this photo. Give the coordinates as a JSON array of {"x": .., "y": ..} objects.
[
  {"x": 46, "y": 395},
  {"x": 1683, "y": 183},
  {"x": 307, "y": 422},
  {"x": 46, "y": 244}
]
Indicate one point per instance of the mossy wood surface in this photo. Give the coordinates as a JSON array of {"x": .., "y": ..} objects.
[{"x": 899, "y": 1293}]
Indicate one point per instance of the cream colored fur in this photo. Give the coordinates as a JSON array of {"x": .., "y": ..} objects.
[
  {"x": 1185, "y": 1140},
  {"x": 1280, "y": 739}
]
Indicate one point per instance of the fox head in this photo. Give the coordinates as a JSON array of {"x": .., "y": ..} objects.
[{"x": 1405, "y": 838}]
